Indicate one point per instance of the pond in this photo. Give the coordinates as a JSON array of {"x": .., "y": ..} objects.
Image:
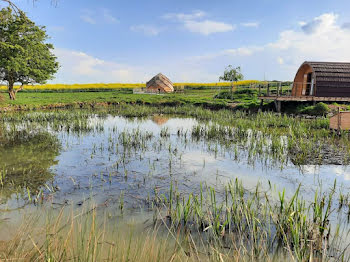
[{"x": 123, "y": 163}]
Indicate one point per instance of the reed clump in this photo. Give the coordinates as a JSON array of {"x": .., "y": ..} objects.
[
  {"x": 253, "y": 224},
  {"x": 229, "y": 225}
]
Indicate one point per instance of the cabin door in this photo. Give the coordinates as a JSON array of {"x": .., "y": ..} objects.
[{"x": 308, "y": 89}]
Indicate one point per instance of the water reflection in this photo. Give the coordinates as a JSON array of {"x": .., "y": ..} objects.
[
  {"x": 106, "y": 156},
  {"x": 25, "y": 163}
]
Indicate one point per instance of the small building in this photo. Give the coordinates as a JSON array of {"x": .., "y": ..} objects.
[
  {"x": 315, "y": 82},
  {"x": 322, "y": 79},
  {"x": 160, "y": 84}
]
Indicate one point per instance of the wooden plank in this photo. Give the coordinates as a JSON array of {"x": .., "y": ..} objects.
[
  {"x": 306, "y": 98},
  {"x": 333, "y": 122}
]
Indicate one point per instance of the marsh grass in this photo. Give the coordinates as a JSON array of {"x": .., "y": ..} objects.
[
  {"x": 233, "y": 225},
  {"x": 254, "y": 225},
  {"x": 229, "y": 225}
]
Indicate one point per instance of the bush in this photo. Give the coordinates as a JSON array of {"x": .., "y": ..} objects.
[
  {"x": 243, "y": 93},
  {"x": 320, "y": 109}
]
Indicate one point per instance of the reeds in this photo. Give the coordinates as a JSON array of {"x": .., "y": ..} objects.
[
  {"x": 293, "y": 227},
  {"x": 229, "y": 225}
]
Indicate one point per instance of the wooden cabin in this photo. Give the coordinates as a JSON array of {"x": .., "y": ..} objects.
[
  {"x": 322, "y": 79},
  {"x": 160, "y": 84}
]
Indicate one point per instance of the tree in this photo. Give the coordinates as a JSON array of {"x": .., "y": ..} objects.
[
  {"x": 232, "y": 75},
  {"x": 25, "y": 57}
]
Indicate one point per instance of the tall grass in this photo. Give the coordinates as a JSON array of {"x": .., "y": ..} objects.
[{"x": 236, "y": 225}]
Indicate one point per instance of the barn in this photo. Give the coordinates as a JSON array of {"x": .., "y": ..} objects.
[
  {"x": 160, "y": 84},
  {"x": 322, "y": 79}
]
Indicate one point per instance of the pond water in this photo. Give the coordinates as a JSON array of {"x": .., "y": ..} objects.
[{"x": 133, "y": 159}]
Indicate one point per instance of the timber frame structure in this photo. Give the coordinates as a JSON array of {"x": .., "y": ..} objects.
[{"x": 315, "y": 82}]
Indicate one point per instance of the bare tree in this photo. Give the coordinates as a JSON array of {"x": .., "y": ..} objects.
[{"x": 15, "y": 7}]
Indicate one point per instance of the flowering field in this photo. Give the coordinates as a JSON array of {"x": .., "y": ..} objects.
[{"x": 102, "y": 86}]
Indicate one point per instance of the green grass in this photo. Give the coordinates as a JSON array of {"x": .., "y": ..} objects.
[
  {"x": 31, "y": 100},
  {"x": 240, "y": 225}
]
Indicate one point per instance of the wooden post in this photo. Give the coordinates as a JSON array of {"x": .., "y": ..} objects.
[
  {"x": 339, "y": 120},
  {"x": 268, "y": 90},
  {"x": 279, "y": 106},
  {"x": 259, "y": 90},
  {"x": 278, "y": 89}
]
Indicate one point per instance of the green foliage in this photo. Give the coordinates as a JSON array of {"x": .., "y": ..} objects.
[
  {"x": 240, "y": 94},
  {"x": 231, "y": 74},
  {"x": 25, "y": 57},
  {"x": 320, "y": 109}
]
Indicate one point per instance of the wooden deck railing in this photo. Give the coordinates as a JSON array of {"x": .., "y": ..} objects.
[
  {"x": 275, "y": 89},
  {"x": 278, "y": 89}
]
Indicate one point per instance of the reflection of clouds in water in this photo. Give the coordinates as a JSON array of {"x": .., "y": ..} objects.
[
  {"x": 177, "y": 123},
  {"x": 221, "y": 170},
  {"x": 342, "y": 172},
  {"x": 147, "y": 124},
  {"x": 310, "y": 169},
  {"x": 327, "y": 171},
  {"x": 196, "y": 160}
]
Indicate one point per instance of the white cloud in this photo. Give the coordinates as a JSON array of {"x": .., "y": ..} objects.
[
  {"x": 321, "y": 39},
  {"x": 194, "y": 23},
  {"x": 80, "y": 67},
  {"x": 108, "y": 17},
  {"x": 243, "y": 51},
  {"x": 320, "y": 23},
  {"x": 208, "y": 27},
  {"x": 251, "y": 24},
  {"x": 184, "y": 17},
  {"x": 88, "y": 16},
  {"x": 101, "y": 15},
  {"x": 234, "y": 52},
  {"x": 148, "y": 30}
]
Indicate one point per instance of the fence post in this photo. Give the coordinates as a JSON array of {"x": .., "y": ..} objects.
[
  {"x": 259, "y": 90},
  {"x": 268, "y": 89},
  {"x": 279, "y": 89}
]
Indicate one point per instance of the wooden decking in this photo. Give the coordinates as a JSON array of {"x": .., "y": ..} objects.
[{"x": 305, "y": 98}]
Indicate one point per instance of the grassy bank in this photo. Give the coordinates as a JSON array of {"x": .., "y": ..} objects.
[{"x": 27, "y": 100}]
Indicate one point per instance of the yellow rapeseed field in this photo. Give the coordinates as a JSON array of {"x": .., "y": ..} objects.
[{"x": 102, "y": 86}]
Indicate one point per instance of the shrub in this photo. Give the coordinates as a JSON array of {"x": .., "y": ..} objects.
[
  {"x": 243, "y": 93},
  {"x": 320, "y": 109}
]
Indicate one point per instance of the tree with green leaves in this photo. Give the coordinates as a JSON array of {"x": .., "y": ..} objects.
[
  {"x": 232, "y": 75},
  {"x": 25, "y": 57}
]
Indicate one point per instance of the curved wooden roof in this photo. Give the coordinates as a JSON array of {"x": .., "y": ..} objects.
[{"x": 331, "y": 74}]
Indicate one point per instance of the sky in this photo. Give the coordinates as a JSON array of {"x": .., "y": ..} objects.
[{"x": 113, "y": 41}]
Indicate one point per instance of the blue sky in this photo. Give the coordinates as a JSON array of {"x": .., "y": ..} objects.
[{"x": 190, "y": 40}]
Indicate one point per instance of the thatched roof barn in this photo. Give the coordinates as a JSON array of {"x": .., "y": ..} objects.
[
  {"x": 161, "y": 84},
  {"x": 322, "y": 79}
]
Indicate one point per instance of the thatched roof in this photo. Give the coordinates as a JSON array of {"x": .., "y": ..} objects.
[
  {"x": 331, "y": 75},
  {"x": 160, "y": 82}
]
